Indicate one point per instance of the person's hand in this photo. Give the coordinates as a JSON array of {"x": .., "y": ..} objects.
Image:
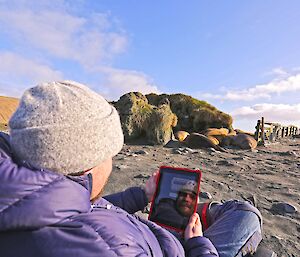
[
  {"x": 194, "y": 227},
  {"x": 150, "y": 186}
]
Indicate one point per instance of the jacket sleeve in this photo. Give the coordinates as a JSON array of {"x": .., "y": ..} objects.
[
  {"x": 4, "y": 143},
  {"x": 131, "y": 200},
  {"x": 200, "y": 247}
]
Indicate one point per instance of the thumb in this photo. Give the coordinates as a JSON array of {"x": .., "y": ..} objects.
[{"x": 194, "y": 219}]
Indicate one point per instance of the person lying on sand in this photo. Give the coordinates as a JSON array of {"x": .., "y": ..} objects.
[{"x": 53, "y": 168}]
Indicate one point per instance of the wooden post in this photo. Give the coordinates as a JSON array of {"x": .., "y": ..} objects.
[
  {"x": 277, "y": 132},
  {"x": 256, "y": 136},
  {"x": 263, "y": 130},
  {"x": 272, "y": 135}
]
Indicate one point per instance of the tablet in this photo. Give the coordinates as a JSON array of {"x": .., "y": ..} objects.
[{"x": 175, "y": 198}]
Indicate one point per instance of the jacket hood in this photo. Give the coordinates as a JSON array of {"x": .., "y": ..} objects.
[{"x": 31, "y": 199}]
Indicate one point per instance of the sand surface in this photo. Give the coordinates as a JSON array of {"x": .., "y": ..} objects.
[{"x": 271, "y": 173}]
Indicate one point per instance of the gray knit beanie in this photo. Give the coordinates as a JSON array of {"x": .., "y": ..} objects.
[{"x": 64, "y": 127}]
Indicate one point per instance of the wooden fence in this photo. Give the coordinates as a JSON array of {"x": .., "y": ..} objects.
[{"x": 269, "y": 131}]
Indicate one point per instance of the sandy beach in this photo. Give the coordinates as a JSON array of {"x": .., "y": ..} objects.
[{"x": 270, "y": 173}]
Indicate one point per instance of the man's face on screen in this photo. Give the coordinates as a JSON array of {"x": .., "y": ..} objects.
[{"x": 185, "y": 203}]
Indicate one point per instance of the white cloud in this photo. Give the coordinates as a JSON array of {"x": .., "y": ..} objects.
[
  {"x": 281, "y": 113},
  {"x": 296, "y": 69},
  {"x": 278, "y": 86},
  {"x": 279, "y": 72},
  {"x": 118, "y": 82},
  {"x": 89, "y": 40},
  {"x": 17, "y": 73}
]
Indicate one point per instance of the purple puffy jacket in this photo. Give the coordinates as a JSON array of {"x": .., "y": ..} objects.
[{"x": 43, "y": 213}]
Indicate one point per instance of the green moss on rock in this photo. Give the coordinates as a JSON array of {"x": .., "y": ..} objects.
[{"x": 193, "y": 115}]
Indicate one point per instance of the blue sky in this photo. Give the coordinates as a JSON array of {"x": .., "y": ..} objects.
[{"x": 241, "y": 56}]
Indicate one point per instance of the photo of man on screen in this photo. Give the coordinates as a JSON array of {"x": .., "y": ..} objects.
[
  {"x": 186, "y": 199},
  {"x": 176, "y": 212}
]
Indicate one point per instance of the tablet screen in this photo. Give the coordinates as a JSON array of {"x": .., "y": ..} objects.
[{"x": 176, "y": 197}]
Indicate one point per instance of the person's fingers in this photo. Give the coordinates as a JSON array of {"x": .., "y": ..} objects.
[
  {"x": 190, "y": 225},
  {"x": 194, "y": 219},
  {"x": 194, "y": 227},
  {"x": 197, "y": 219},
  {"x": 150, "y": 185}
]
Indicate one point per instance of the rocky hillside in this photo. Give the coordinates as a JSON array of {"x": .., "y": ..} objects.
[{"x": 7, "y": 107}]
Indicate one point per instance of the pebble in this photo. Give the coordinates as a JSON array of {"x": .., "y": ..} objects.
[
  {"x": 283, "y": 208},
  {"x": 274, "y": 186},
  {"x": 141, "y": 152},
  {"x": 121, "y": 167},
  {"x": 213, "y": 150},
  {"x": 189, "y": 150},
  {"x": 143, "y": 176},
  {"x": 131, "y": 154},
  {"x": 183, "y": 151},
  {"x": 225, "y": 163},
  {"x": 176, "y": 151}
]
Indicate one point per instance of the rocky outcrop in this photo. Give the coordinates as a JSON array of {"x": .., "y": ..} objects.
[
  {"x": 193, "y": 115},
  {"x": 142, "y": 120},
  {"x": 153, "y": 116}
]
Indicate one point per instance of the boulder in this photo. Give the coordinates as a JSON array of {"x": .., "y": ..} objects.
[
  {"x": 196, "y": 141},
  {"x": 213, "y": 139},
  {"x": 283, "y": 208},
  {"x": 216, "y": 132},
  {"x": 140, "y": 119},
  {"x": 242, "y": 141},
  {"x": 181, "y": 135},
  {"x": 216, "y": 135}
]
